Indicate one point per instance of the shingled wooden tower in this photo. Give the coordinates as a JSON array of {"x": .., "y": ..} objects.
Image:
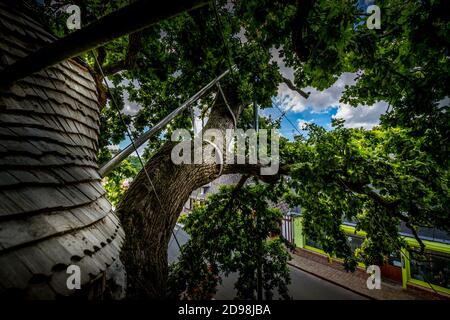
[{"x": 53, "y": 210}]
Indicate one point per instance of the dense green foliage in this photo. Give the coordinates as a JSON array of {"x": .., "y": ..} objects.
[
  {"x": 397, "y": 172},
  {"x": 377, "y": 178},
  {"x": 117, "y": 182},
  {"x": 235, "y": 231}
]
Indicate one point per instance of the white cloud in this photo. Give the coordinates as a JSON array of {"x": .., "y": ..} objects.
[
  {"x": 362, "y": 116},
  {"x": 113, "y": 147},
  {"x": 287, "y": 72},
  {"x": 241, "y": 36},
  {"x": 369, "y": 116},
  {"x": 290, "y": 100},
  {"x": 130, "y": 108},
  {"x": 318, "y": 101},
  {"x": 444, "y": 102},
  {"x": 302, "y": 123}
]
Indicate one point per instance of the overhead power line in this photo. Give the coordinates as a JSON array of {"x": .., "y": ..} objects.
[
  {"x": 284, "y": 115},
  {"x": 133, "y": 144}
]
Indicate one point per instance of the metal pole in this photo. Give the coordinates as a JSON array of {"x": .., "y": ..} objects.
[
  {"x": 255, "y": 112},
  {"x": 129, "y": 19},
  {"x": 259, "y": 284},
  {"x": 114, "y": 162}
]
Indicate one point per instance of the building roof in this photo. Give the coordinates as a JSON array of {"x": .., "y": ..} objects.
[
  {"x": 53, "y": 210},
  {"x": 431, "y": 234}
]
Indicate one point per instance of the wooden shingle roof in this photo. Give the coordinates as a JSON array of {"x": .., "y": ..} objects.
[{"x": 53, "y": 210}]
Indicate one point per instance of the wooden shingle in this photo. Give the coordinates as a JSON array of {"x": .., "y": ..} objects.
[{"x": 53, "y": 210}]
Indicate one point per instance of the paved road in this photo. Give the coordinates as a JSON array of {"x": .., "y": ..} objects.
[{"x": 304, "y": 286}]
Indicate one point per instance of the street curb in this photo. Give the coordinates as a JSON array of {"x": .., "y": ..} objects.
[{"x": 333, "y": 282}]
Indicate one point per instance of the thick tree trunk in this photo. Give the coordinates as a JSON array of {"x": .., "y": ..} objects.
[{"x": 149, "y": 221}]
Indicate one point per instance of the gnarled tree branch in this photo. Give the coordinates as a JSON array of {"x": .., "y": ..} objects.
[
  {"x": 391, "y": 206},
  {"x": 134, "y": 46},
  {"x": 294, "y": 88}
]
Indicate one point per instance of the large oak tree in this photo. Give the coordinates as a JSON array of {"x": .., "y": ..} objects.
[{"x": 396, "y": 173}]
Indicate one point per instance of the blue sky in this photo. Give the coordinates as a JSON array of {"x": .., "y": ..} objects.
[
  {"x": 291, "y": 118},
  {"x": 309, "y": 115},
  {"x": 319, "y": 108}
]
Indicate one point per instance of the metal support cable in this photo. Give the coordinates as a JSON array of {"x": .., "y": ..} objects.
[
  {"x": 228, "y": 52},
  {"x": 219, "y": 22},
  {"x": 130, "y": 136},
  {"x": 285, "y": 112},
  {"x": 256, "y": 116},
  {"x": 193, "y": 118},
  {"x": 114, "y": 162},
  {"x": 226, "y": 103},
  {"x": 284, "y": 115}
]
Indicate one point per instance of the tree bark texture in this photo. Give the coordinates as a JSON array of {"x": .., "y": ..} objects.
[{"x": 148, "y": 222}]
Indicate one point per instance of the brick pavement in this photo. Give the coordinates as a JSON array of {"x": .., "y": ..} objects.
[{"x": 334, "y": 272}]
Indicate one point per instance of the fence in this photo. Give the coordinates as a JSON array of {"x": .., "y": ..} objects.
[{"x": 287, "y": 228}]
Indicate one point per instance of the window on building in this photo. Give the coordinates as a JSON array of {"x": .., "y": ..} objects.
[
  {"x": 187, "y": 205},
  {"x": 394, "y": 259},
  {"x": 354, "y": 242},
  {"x": 205, "y": 189},
  {"x": 312, "y": 243},
  {"x": 433, "y": 268}
]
